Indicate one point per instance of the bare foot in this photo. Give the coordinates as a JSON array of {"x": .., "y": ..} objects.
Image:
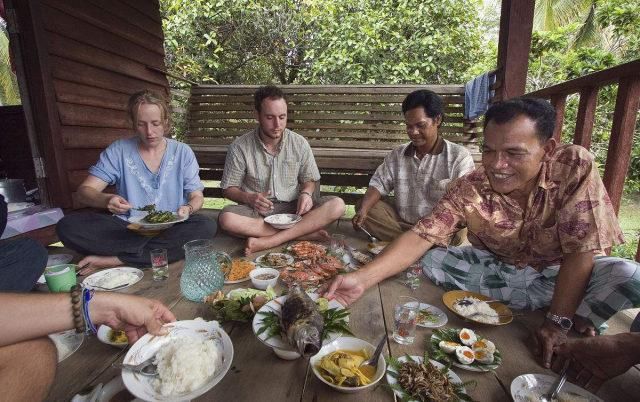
[
  {"x": 92, "y": 263},
  {"x": 255, "y": 244},
  {"x": 320, "y": 235},
  {"x": 584, "y": 326}
]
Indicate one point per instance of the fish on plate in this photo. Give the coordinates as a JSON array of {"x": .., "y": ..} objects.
[{"x": 302, "y": 322}]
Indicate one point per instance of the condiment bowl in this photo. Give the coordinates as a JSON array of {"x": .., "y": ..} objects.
[
  {"x": 352, "y": 345},
  {"x": 264, "y": 283},
  {"x": 104, "y": 332}
]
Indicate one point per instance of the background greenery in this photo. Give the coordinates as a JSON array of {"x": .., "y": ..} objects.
[{"x": 405, "y": 41}]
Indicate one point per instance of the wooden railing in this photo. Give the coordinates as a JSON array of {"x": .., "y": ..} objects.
[{"x": 627, "y": 76}]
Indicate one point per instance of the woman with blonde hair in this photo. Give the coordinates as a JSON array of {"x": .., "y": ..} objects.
[{"x": 145, "y": 169}]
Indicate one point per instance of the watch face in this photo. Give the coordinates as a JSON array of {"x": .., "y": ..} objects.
[{"x": 565, "y": 323}]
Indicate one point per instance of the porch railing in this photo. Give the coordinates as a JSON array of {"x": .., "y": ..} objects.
[{"x": 627, "y": 76}]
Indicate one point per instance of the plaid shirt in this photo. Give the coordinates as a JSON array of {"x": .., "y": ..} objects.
[
  {"x": 419, "y": 184},
  {"x": 249, "y": 166},
  {"x": 568, "y": 212}
]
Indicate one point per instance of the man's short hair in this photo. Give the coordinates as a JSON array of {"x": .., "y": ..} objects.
[
  {"x": 265, "y": 92},
  {"x": 430, "y": 101},
  {"x": 538, "y": 110}
]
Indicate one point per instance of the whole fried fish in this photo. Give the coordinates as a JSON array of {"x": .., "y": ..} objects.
[{"x": 302, "y": 322}]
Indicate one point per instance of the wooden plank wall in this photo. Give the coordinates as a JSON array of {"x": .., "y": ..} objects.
[{"x": 97, "y": 54}]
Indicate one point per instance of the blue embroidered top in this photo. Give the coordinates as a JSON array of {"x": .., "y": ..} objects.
[{"x": 121, "y": 165}]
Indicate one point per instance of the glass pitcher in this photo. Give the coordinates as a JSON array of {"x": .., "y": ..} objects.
[{"x": 203, "y": 270}]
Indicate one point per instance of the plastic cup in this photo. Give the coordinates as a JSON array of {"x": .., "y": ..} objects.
[
  {"x": 60, "y": 278},
  {"x": 159, "y": 264},
  {"x": 405, "y": 317}
]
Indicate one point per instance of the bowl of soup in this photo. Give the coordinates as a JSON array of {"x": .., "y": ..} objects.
[{"x": 264, "y": 277}]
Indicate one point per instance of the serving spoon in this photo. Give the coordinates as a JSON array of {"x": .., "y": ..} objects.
[
  {"x": 147, "y": 367},
  {"x": 373, "y": 361},
  {"x": 465, "y": 302},
  {"x": 372, "y": 239},
  {"x": 555, "y": 388}
]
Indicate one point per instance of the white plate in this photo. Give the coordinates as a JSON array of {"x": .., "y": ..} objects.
[
  {"x": 57, "y": 259},
  {"x": 238, "y": 281},
  {"x": 243, "y": 279},
  {"x": 522, "y": 387},
  {"x": 276, "y": 306},
  {"x": 94, "y": 279},
  {"x": 292, "y": 219},
  {"x": 103, "y": 335},
  {"x": 67, "y": 342},
  {"x": 156, "y": 226},
  {"x": 442, "y": 317},
  {"x": 475, "y": 366},
  {"x": 288, "y": 257},
  {"x": 392, "y": 381},
  {"x": 147, "y": 346}
]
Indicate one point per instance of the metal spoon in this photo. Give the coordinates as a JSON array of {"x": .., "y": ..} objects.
[
  {"x": 465, "y": 302},
  {"x": 371, "y": 238},
  {"x": 124, "y": 285},
  {"x": 488, "y": 315},
  {"x": 555, "y": 388},
  {"x": 373, "y": 361},
  {"x": 147, "y": 367}
]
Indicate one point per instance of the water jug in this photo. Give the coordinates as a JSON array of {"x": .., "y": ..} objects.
[{"x": 203, "y": 270}]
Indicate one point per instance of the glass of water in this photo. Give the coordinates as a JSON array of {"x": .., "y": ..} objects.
[
  {"x": 159, "y": 264},
  {"x": 405, "y": 316}
]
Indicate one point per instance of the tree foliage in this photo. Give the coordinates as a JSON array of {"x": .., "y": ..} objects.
[
  {"x": 322, "y": 41},
  {"x": 555, "y": 58}
]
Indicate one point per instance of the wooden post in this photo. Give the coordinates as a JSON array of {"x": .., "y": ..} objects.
[
  {"x": 36, "y": 88},
  {"x": 514, "y": 43},
  {"x": 559, "y": 101},
  {"x": 624, "y": 121},
  {"x": 586, "y": 113}
]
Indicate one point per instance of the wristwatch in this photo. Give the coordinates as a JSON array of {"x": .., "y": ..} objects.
[{"x": 563, "y": 322}]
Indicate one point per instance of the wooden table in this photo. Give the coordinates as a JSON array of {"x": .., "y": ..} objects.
[{"x": 257, "y": 374}]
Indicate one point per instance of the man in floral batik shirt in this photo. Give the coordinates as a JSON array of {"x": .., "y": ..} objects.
[{"x": 539, "y": 221}]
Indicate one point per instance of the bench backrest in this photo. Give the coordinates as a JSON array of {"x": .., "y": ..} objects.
[
  {"x": 349, "y": 127},
  {"x": 343, "y": 116}
]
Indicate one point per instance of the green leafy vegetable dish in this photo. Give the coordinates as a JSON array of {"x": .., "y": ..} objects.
[
  {"x": 415, "y": 378},
  {"x": 238, "y": 304},
  {"x": 160, "y": 217},
  {"x": 335, "y": 320}
]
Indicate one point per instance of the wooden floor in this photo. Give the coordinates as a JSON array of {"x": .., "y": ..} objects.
[{"x": 258, "y": 375}]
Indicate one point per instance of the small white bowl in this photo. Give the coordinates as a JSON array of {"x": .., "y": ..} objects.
[
  {"x": 103, "y": 335},
  {"x": 275, "y": 220},
  {"x": 264, "y": 283},
  {"x": 350, "y": 344}
]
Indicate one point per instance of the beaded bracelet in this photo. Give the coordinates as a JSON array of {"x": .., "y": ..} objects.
[
  {"x": 190, "y": 208},
  {"x": 87, "y": 295},
  {"x": 76, "y": 308}
]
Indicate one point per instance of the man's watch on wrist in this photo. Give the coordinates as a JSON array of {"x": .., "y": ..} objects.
[
  {"x": 190, "y": 208},
  {"x": 563, "y": 322}
]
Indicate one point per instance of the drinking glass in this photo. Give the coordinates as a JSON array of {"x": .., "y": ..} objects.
[
  {"x": 338, "y": 245},
  {"x": 405, "y": 315},
  {"x": 159, "y": 264}
]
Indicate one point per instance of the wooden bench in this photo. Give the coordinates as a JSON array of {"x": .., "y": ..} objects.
[{"x": 350, "y": 127}]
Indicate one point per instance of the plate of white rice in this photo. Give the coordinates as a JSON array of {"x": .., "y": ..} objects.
[
  {"x": 113, "y": 278},
  {"x": 494, "y": 313},
  {"x": 191, "y": 359}
]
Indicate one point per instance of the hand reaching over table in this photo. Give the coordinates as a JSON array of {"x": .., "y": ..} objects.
[
  {"x": 135, "y": 315},
  {"x": 346, "y": 289}
]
